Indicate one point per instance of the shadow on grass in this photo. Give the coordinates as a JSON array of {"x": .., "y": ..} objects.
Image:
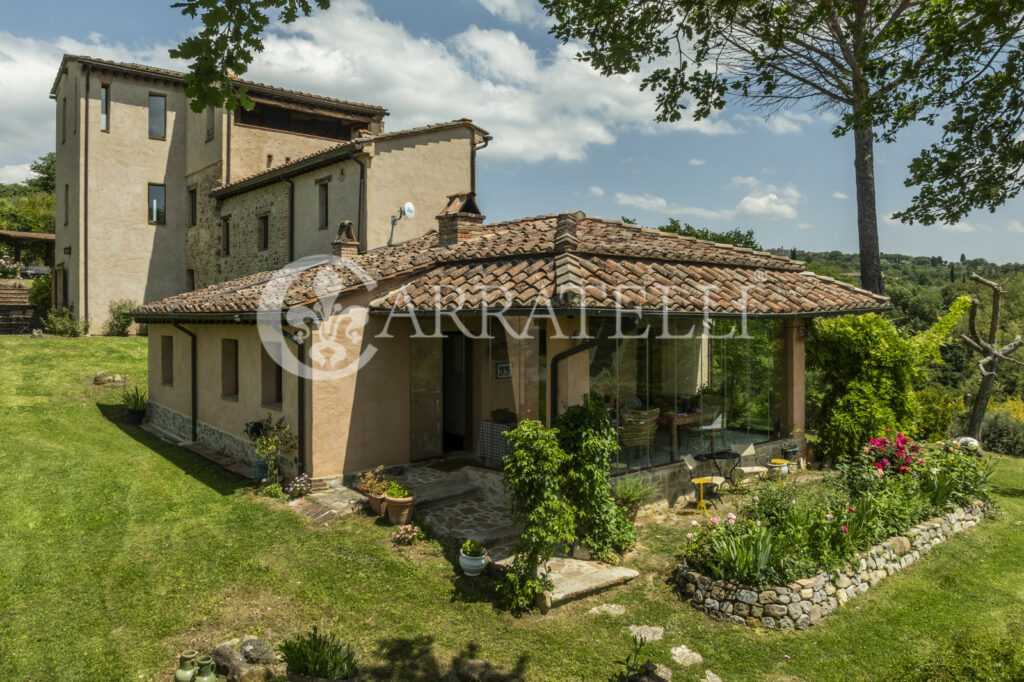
[
  {"x": 202, "y": 470},
  {"x": 1006, "y": 492},
  {"x": 412, "y": 659}
]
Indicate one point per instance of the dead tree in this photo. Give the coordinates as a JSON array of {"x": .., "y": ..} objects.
[{"x": 991, "y": 354}]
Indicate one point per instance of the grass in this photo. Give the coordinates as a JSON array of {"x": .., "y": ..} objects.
[{"x": 117, "y": 551}]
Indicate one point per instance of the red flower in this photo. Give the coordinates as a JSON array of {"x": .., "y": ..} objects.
[{"x": 845, "y": 529}]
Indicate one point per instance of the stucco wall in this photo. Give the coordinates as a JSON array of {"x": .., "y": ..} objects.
[
  {"x": 69, "y": 172},
  {"x": 423, "y": 169},
  {"x": 249, "y": 147},
  {"x": 130, "y": 258}
]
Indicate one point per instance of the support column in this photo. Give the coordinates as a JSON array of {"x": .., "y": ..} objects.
[{"x": 794, "y": 378}]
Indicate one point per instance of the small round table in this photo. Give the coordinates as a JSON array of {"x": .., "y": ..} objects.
[
  {"x": 701, "y": 482},
  {"x": 780, "y": 464}
]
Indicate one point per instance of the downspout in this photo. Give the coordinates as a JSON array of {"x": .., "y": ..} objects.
[
  {"x": 553, "y": 398},
  {"x": 85, "y": 207},
  {"x": 473, "y": 149},
  {"x": 291, "y": 220},
  {"x": 227, "y": 153},
  {"x": 300, "y": 402},
  {"x": 195, "y": 374},
  {"x": 361, "y": 202}
]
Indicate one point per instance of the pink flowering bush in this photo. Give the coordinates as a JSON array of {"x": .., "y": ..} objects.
[
  {"x": 9, "y": 267},
  {"x": 406, "y": 535},
  {"x": 300, "y": 486}
]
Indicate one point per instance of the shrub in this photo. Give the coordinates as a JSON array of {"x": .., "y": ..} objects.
[
  {"x": 299, "y": 487},
  {"x": 1002, "y": 432},
  {"x": 272, "y": 490},
  {"x": 272, "y": 441},
  {"x": 631, "y": 493},
  {"x": 396, "y": 490},
  {"x": 936, "y": 422},
  {"x": 406, "y": 535},
  {"x": 319, "y": 655},
  {"x": 9, "y": 267},
  {"x": 63, "y": 323},
  {"x": 40, "y": 293},
  {"x": 120, "y": 320},
  {"x": 134, "y": 398}
]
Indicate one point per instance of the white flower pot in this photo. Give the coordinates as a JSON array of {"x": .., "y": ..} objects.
[{"x": 472, "y": 565}]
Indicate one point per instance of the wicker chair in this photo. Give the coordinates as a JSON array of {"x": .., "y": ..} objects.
[{"x": 638, "y": 428}]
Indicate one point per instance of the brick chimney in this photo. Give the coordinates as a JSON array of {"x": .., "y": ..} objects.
[
  {"x": 460, "y": 220},
  {"x": 345, "y": 244}
]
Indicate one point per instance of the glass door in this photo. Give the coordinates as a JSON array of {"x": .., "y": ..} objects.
[{"x": 426, "y": 376}]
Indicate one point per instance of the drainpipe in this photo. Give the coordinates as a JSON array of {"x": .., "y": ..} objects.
[
  {"x": 553, "y": 399},
  {"x": 291, "y": 220},
  {"x": 300, "y": 407},
  {"x": 227, "y": 154},
  {"x": 361, "y": 202},
  {"x": 473, "y": 149},
  {"x": 85, "y": 206},
  {"x": 195, "y": 374}
]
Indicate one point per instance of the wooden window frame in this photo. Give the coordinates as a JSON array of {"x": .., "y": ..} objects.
[
  {"x": 323, "y": 203},
  {"x": 271, "y": 378},
  {"x": 149, "y": 115},
  {"x": 105, "y": 107},
  {"x": 225, "y": 236},
  {"x": 67, "y": 204},
  {"x": 167, "y": 360},
  {"x": 149, "y": 216},
  {"x": 192, "y": 205},
  {"x": 64, "y": 120},
  {"x": 263, "y": 231},
  {"x": 229, "y": 369}
]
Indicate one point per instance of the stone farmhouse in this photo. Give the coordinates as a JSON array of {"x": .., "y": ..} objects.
[{"x": 154, "y": 199}]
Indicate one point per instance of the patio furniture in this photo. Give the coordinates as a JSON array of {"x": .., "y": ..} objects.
[
  {"x": 637, "y": 429},
  {"x": 725, "y": 463},
  {"x": 687, "y": 420},
  {"x": 698, "y": 484},
  {"x": 713, "y": 406}
]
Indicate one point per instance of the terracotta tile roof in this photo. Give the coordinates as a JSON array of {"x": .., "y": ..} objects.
[
  {"x": 329, "y": 155},
  {"x": 602, "y": 259},
  {"x": 176, "y": 76}
]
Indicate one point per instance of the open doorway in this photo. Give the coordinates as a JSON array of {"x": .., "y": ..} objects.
[{"x": 455, "y": 393}]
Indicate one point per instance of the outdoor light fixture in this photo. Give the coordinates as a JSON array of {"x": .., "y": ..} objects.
[{"x": 804, "y": 330}]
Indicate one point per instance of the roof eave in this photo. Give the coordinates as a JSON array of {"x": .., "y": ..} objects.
[
  {"x": 328, "y": 158},
  {"x": 248, "y": 317}
]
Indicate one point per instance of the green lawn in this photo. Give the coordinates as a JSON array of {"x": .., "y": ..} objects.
[{"x": 117, "y": 551}]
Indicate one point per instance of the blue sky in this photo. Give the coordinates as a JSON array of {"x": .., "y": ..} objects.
[{"x": 565, "y": 138}]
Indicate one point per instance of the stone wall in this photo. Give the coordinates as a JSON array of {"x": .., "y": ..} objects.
[
  {"x": 179, "y": 425},
  {"x": 804, "y": 603}
]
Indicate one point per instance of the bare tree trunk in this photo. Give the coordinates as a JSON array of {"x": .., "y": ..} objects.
[
  {"x": 981, "y": 402},
  {"x": 867, "y": 218}
]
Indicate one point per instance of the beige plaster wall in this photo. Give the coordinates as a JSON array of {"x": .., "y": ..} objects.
[
  {"x": 249, "y": 147},
  {"x": 129, "y": 258},
  {"x": 362, "y": 420},
  {"x": 342, "y": 204},
  {"x": 69, "y": 172},
  {"x": 176, "y": 396},
  {"x": 424, "y": 169}
]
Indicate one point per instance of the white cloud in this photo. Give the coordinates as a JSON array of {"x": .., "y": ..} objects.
[
  {"x": 595, "y": 191},
  {"x": 537, "y": 105},
  {"x": 763, "y": 201},
  {"x": 12, "y": 173},
  {"x": 1015, "y": 226},
  {"x": 783, "y": 123},
  {"x": 962, "y": 227},
  {"x": 803, "y": 226},
  {"x": 840, "y": 195},
  {"x": 516, "y": 11},
  {"x": 697, "y": 162}
]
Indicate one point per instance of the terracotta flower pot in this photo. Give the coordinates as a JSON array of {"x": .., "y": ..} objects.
[
  {"x": 376, "y": 502},
  {"x": 399, "y": 509}
]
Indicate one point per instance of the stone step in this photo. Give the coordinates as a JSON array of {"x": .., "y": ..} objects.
[
  {"x": 442, "y": 491},
  {"x": 573, "y": 579}
]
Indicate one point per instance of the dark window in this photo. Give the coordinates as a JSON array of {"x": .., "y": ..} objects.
[
  {"x": 158, "y": 116},
  {"x": 279, "y": 118},
  {"x": 271, "y": 375},
  {"x": 322, "y": 199},
  {"x": 229, "y": 368},
  {"x": 67, "y": 211},
  {"x": 190, "y": 279},
  {"x": 105, "y": 108},
  {"x": 167, "y": 360},
  {"x": 263, "y": 236},
  {"x": 64, "y": 120},
  {"x": 225, "y": 237},
  {"x": 193, "y": 200},
  {"x": 211, "y": 120},
  {"x": 156, "y": 204}
]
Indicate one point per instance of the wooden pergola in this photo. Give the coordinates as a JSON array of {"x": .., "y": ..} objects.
[{"x": 17, "y": 239}]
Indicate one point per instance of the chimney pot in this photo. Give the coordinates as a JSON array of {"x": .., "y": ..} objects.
[{"x": 345, "y": 245}]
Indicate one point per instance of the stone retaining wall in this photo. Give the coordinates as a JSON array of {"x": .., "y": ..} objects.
[
  {"x": 179, "y": 425},
  {"x": 805, "y": 602}
]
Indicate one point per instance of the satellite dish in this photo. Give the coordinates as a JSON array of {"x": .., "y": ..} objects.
[{"x": 409, "y": 210}]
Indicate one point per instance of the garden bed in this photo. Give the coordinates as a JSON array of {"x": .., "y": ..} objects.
[{"x": 803, "y": 603}]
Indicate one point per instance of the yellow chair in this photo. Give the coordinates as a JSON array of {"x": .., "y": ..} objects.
[
  {"x": 700, "y": 483},
  {"x": 780, "y": 464}
]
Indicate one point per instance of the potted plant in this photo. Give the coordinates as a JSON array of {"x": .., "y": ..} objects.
[
  {"x": 318, "y": 657},
  {"x": 630, "y": 494},
  {"x": 373, "y": 484},
  {"x": 134, "y": 402},
  {"x": 399, "y": 503},
  {"x": 272, "y": 441},
  {"x": 472, "y": 558}
]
